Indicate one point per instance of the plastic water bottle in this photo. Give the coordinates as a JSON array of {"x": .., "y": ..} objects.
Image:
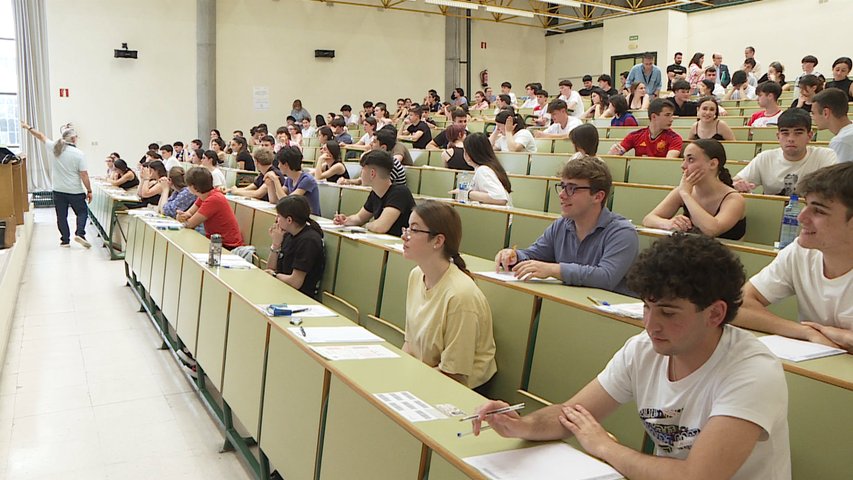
[
  {"x": 790, "y": 224},
  {"x": 214, "y": 257},
  {"x": 464, "y": 186}
]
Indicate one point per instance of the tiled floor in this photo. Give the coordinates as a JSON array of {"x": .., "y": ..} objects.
[{"x": 84, "y": 391}]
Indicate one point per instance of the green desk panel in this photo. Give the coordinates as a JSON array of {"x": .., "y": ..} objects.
[
  {"x": 634, "y": 203},
  {"x": 260, "y": 234},
  {"x": 512, "y": 312},
  {"x": 484, "y": 231},
  {"x": 188, "y": 307},
  {"x": 245, "y": 216},
  {"x": 361, "y": 443},
  {"x": 244, "y": 363},
  {"x": 391, "y": 335},
  {"x": 158, "y": 269},
  {"x": 172, "y": 285},
  {"x": 395, "y": 289},
  {"x": 525, "y": 230},
  {"x": 763, "y": 219},
  {"x": 553, "y": 197},
  {"x": 529, "y": 192},
  {"x": 437, "y": 183},
  {"x": 547, "y": 165},
  {"x": 212, "y": 328},
  {"x": 441, "y": 469},
  {"x": 360, "y": 268},
  {"x": 514, "y": 162},
  {"x": 819, "y": 422},
  {"x": 129, "y": 248},
  {"x": 294, "y": 383},
  {"x": 331, "y": 244},
  {"x": 330, "y": 200},
  {"x": 413, "y": 180},
  {"x": 147, "y": 254},
  {"x": 138, "y": 241},
  {"x": 572, "y": 346},
  {"x": 352, "y": 199}
]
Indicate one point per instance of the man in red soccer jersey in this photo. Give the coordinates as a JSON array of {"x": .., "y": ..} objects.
[{"x": 656, "y": 140}]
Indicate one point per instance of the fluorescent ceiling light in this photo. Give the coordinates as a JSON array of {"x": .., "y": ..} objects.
[
  {"x": 565, "y": 3},
  {"x": 509, "y": 11},
  {"x": 453, "y": 3}
]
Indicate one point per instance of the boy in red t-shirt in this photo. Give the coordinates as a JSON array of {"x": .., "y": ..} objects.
[
  {"x": 656, "y": 140},
  {"x": 211, "y": 209}
]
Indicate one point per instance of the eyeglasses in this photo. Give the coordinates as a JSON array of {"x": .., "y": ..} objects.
[
  {"x": 407, "y": 232},
  {"x": 569, "y": 188}
]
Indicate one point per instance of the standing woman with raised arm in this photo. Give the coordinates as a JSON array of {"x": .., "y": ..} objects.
[
  {"x": 70, "y": 182},
  {"x": 448, "y": 320}
]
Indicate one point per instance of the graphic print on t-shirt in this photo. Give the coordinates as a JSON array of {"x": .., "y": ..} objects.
[
  {"x": 790, "y": 183},
  {"x": 663, "y": 427}
]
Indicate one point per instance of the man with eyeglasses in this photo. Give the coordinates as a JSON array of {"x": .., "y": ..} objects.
[{"x": 589, "y": 246}]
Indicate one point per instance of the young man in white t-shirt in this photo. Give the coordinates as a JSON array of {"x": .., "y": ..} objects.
[
  {"x": 510, "y": 135},
  {"x": 540, "y": 113},
  {"x": 561, "y": 122},
  {"x": 817, "y": 267},
  {"x": 768, "y": 99},
  {"x": 531, "y": 89},
  {"x": 506, "y": 89},
  {"x": 169, "y": 160},
  {"x": 829, "y": 112},
  {"x": 711, "y": 397},
  {"x": 741, "y": 89},
  {"x": 573, "y": 99},
  {"x": 778, "y": 170}
]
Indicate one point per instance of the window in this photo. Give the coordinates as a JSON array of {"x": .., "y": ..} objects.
[{"x": 10, "y": 131}]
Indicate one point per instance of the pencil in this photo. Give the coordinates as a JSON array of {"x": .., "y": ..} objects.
[
  {"x": 511, "y": 408},
  {"x": 465, "y": 434}
]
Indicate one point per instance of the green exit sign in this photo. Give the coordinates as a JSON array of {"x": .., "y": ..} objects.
[{"x": 633, "y": 38}]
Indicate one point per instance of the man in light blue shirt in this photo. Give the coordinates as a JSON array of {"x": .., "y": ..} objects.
[
  {"x": 590, "y": 246},
  {"x": 648, "y": 74},
  {"x": 71, "y": 186}
]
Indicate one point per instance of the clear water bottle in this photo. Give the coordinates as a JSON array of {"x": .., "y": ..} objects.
[
  {"x": 790, "y": 224},
  {"x": 214, "y": 257},
  {"x": 464, "y": 186}
]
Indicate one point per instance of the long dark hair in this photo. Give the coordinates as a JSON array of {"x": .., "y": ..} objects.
[
  {"x": 320, "y": 121},
  {"x": 695, "y": 59},
  {"x": 334, "y": 149},
  {"x": 585, "y": 137},
  {"x": 158, "y": 167},
  {"x": 121, "y": 166},
  {"x": 441, "y": 218},
  {"x": 480, "y": 150},
  {"x": 214, "y": 158},
  {"x": 297, "y": 208},
  {"x": 714, "y": 149}
]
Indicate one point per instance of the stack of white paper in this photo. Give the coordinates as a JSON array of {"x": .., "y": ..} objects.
[
  {"x": 335, "y": 334},
  {"x": 797, "y": 350},
  {"x": 228, "y": 260},
  {"x": 510, "y": 277},
  {"x": 658, "y": 231},
  {"x": 354, "y": 352},
  {"x": 631, "y": 310},
  {"x": 553, "y": 461}
]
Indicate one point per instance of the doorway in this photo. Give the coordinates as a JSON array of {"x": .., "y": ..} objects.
[{"x": 623, "y": 63}]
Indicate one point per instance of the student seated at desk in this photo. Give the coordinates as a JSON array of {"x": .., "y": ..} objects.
[
  {"x": 389, "y": 205},
  {"x": 211, "y": 209},
  {"x": 510, "y": 135},
  {"x": 585, "y": 140},
  {"x": 711, "y": 205},
  {"x": 453, "y": 154},
  {"x": 331, "y": 167},
  {"x": 590, "y": 246},
  {"x": 176, "y": 196},
  {"x": 296, "y": 182},
  {"x": 296, "y": 256},
  {"x": 711, "y": 397},
  {"x": 240, "y": 148},
  {"x": 385, "y": 140},
  {"x": 264, "y": 160},
  {"x": 817, "y": 267},
  {"x": 656, "y": 140},
  {"x": 150, "y": 187},
  {"x": 778, "y": 170},
  {"x": 448, "y": 320},
  {"x": 126, "y": 177},
  {"x": 210, "y": 161},
  {"x": 490, "y": 184},
  {"x": 562, "y": 123}
]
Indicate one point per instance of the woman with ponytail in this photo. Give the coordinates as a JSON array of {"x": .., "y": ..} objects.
[
  {"x": 448, "y": 320},
  {"x": 296, "y": 253},
  {"x": 710, "y": 204}
]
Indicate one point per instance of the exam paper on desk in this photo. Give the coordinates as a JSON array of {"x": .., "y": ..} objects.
[
  {"x": 552, "y": 461},
  {"x": 354, "y": 352},
  {"x": 228, "y": 260},
  {"x": 510, "y": 277},
  {"x": 410, "y": 407},
  {"x": 795, "y": 350},
  {"x": 334, "y": 334}
]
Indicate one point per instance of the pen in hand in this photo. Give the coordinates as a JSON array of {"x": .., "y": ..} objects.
[{"x": 511, "y": 408}]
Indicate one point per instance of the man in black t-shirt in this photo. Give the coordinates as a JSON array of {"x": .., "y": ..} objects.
[
  {"x": 683, "y": 106},
  {"x": 389, "y": 205},
  {"x": 605, "y": 81},
  {"x": 296, "y": 257},
  {"x": 587, "y": 86},
  {"x": 459, "y": 117},
  {"x": 675, "y": 72},
  {"x": 418, "y": 130}
]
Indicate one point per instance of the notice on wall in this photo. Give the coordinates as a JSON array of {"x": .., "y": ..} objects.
[{"x": 261, "y": 98}]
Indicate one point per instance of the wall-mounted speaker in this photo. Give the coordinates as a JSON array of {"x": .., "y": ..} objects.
[{"x": 324, "y": 54}]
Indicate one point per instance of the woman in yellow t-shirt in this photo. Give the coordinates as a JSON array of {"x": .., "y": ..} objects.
[{"x": 448, "y": 320}]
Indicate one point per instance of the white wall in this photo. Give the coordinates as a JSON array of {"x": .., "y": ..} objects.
[
  {"x": 513, "y": 54},
  {"x": 780, "y": 30},
  {"x": 120, "y": 104},
  {"x": 572, "y": 56},
  {"x": 384, "y": 55}
]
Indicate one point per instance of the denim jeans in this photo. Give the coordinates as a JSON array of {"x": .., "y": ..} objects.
[{"x": 77, "y": 202}]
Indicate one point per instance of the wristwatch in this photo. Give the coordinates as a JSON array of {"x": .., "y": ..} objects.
[{"x": 276, "y": 250}]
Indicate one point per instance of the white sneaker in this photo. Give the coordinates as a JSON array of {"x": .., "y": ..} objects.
[
  {"x": 191, "y": 371},
  {"x": 185, "y": 359},
  {"x": 82, "y": 241}
]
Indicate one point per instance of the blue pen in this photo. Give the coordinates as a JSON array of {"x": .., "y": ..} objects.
[{"x": 598, "y": 302}]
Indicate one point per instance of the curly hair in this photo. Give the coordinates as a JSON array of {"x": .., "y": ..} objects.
[{"x": 693, "y": 267}]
